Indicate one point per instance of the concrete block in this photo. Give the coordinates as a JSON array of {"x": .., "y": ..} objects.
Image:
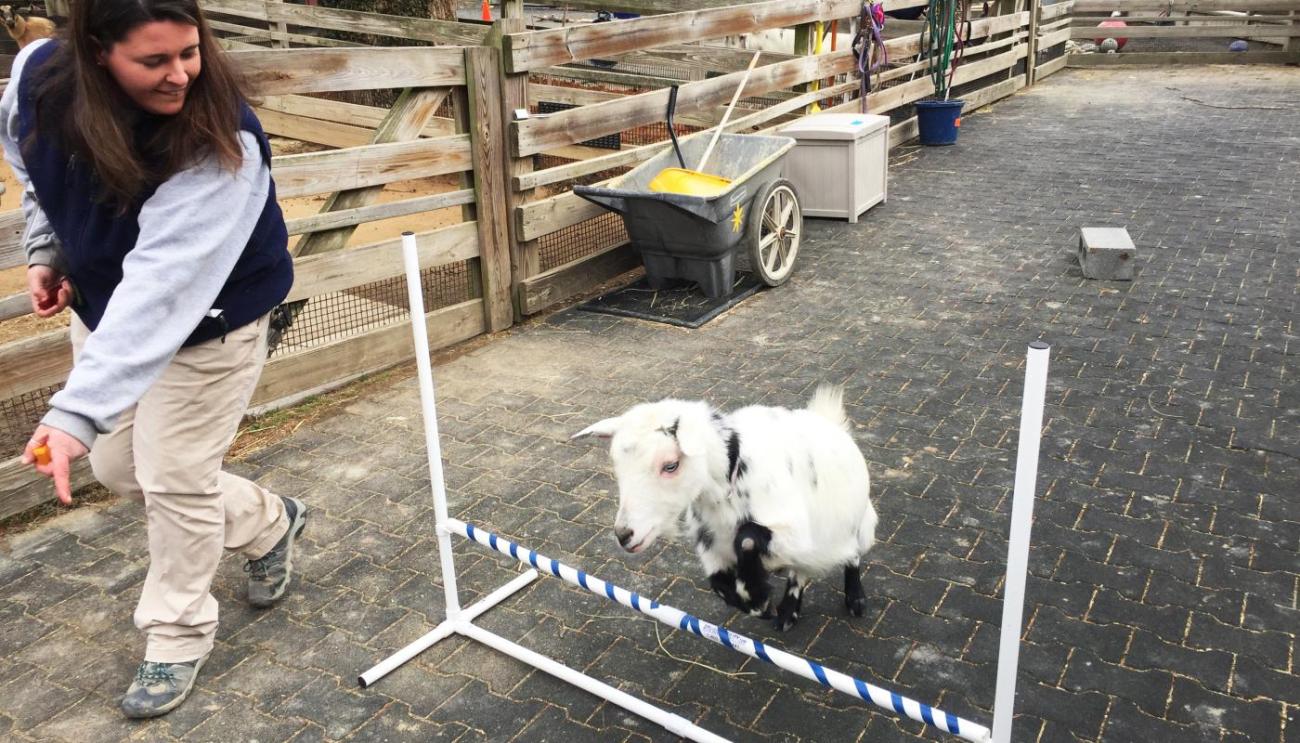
[{"x": 1106, "y": 253}]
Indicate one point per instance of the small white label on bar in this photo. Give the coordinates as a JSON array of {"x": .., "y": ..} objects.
[
  {"x": 710, "y": 631},
  {"x": 742, "y": 643}
]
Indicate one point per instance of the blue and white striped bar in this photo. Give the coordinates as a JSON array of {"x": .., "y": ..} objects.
[{"x": 753, "y": 648}]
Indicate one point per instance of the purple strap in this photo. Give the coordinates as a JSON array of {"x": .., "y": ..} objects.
[{"x": 871, "y": 24}]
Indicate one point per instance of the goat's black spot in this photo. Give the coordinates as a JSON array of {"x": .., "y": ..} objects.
[
  {"x": 671, "y": 431},
  {"x": 733, "y": 454},
  {"x": 812, "y": 470},
  {"x": 703, "y": 537},
  {"x": 752, "y": 538}
]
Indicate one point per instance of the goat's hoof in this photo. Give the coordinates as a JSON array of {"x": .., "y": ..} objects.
[
  {"x": 782, "y": 623},
  {"x": 857, "y": 607}
]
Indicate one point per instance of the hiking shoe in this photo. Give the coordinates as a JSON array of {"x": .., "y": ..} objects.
[
  {"x": 159, "y": 688},
  {"x": 268, "y": 575}
]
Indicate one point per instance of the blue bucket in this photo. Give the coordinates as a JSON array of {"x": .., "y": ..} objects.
[{"x": 938, "y": 121}]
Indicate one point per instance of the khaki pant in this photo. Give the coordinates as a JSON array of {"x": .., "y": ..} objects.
[{"x": 167, "y": 451}]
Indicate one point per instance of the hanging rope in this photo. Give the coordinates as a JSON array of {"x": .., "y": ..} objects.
[
  {"x": 869, "y": 42},
  {"x": 964, "y": 31},
  {"x": 938, "y": 41}
]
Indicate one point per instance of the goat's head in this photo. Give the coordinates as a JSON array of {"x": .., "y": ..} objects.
[
  {"x": 661, "y": 456},
  {"x": 8, "y": 16}
]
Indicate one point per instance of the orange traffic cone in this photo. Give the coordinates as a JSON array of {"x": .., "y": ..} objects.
[{"x": 487, "y": 11}]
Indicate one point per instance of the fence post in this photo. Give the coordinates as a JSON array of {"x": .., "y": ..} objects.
[
  {"x": 525, "y": 256},
  {"x": 487, "y": 142},
  {"x": 1031, "y": 57},
  {"x": 283, "y": 28},
  {"x": 804, "y": 43}
]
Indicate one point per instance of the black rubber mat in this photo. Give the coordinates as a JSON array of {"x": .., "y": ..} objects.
[{"x": 681, "y": 303}]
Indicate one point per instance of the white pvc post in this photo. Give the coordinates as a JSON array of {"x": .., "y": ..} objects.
[
  {"x": 1022, "y": 514},
  {"x": 415, "y": 295}
]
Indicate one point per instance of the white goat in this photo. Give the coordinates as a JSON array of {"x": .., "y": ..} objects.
[{"x": 760, "y": 489}]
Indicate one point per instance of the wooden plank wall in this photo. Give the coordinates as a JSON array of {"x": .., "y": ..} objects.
[
  {"x": 261, "y": 21},
  {"x": 1271, "y": 26}
]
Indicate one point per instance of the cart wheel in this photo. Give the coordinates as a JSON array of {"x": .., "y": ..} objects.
[{"x": 774, "y": 232}]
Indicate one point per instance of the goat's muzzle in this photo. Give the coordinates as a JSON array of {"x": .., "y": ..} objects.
[{"x": 624, "y": 537}]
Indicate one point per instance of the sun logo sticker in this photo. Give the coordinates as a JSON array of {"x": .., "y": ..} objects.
[{"x": 737, "y": 218}]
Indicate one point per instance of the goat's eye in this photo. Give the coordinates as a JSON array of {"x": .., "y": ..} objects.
[{"x": 671, "y": 466}]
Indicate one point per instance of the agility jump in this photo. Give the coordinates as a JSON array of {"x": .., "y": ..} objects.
[{"x": 460, "y": 620}]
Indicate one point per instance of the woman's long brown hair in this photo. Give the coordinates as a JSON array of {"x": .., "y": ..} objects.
[{"x": 81, "y": 104}]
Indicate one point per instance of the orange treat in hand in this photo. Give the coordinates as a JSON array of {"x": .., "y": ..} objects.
[{"x": 42, "y": 454}]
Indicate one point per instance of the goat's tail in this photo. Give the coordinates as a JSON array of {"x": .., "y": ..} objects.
[{"x": 828, "y": 402}]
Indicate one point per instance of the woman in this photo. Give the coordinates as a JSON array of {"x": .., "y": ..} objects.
[{"x": 152, "y": 214}]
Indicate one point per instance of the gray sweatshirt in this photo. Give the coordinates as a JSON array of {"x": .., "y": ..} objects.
[{"x": 192, "y": 231}]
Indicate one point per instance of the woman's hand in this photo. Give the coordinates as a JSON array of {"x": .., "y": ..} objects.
[
  {"x": 63, "y": 450},
  {"x": 49, "y": 289}
]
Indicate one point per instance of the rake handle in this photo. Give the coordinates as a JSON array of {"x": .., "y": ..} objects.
[{"x": 727, "y": 114}]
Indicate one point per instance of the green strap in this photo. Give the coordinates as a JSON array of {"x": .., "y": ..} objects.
[{"x": 940, "y": 39}]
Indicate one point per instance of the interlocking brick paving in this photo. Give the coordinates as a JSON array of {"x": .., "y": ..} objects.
[{"x": 1162, "y": 597}]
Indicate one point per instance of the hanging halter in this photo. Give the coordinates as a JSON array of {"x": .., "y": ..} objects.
[{"x": 871, "y": 26}]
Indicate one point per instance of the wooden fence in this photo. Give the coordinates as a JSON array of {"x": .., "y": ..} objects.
[
  {"x": 1271, "y": 27},
  {"x": 509, "y": 119}
]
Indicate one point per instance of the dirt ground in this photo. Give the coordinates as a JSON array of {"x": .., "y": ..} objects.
[{"x": 13, "y": 280}]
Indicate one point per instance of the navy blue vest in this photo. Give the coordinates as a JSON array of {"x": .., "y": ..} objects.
[{"x": 95, "y": 236}]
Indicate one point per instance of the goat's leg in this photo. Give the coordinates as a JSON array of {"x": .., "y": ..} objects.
[
  {"x": 787, "y": 614},
  {"x": 723, "y": 583},
  {"x": 855, "y": 599},
  {"x": 720, "y": 565},
  {"x": 752, "y": 545}
]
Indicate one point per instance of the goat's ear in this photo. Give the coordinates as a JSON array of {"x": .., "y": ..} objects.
[
  {"x": 600, "y": 429},
  {"x": 693, "y": 435}
]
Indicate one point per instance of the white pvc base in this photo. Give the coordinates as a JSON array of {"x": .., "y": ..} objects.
[
  {"x": 445, "y": 629},
  {"x": 462, "y": 625}
]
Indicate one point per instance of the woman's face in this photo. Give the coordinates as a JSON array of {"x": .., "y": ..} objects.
[{"x": 155, "y": 64}]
